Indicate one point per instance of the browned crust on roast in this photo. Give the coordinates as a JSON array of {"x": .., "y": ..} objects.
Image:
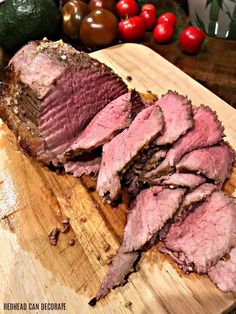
[{"x": 28, "y": 142}]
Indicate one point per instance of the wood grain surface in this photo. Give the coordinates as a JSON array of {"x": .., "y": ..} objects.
[
  {"x": 34, "y": 200},
  {"x": 214, "y": 66}
]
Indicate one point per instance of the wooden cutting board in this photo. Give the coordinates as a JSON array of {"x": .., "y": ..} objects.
[{"x": 33, "y": 201}]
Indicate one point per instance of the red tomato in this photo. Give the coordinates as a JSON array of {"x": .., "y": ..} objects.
[
  {"x": 167, "y": 17},
  {"x": 126, "y": 8},
  {"x": 132, "y": 29},
  {"x": 163, "y": 32},
  {"x": 149, "y": 19},
  {"x": 150, "y": 8},
  {"x": 191, "y": 39}
]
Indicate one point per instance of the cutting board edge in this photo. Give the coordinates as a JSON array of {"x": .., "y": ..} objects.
[{"x": 143, "y": 48}]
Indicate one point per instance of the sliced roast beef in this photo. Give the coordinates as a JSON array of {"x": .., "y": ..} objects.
[
  {"x": 150, "y": 211},
  {"x": 206, "y": 131},
  {"x": 86, "y": 164},
  {"x": 153, "y": 161},
  {"x": 53, "y": 93},
  {"x": 179, "y": 179},
  {"x": 113, "y": 118},
  {"x": 124, "y": 147},
  {"x": 82, "y": 158},
  {"x": 177, "y": 113},
  {"x": 149, "y": 159},
  {"x": 214, "y": 162},
  {"x": 121, "y": 266},
  {"x": 137, "y": 103},
  {"x": 223, "y": 274},
  {"x": 206, "y": 234},
  {"x": 198, "y": 194}
]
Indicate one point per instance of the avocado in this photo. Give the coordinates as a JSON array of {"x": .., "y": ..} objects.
[{"x": 24, "y": 20}]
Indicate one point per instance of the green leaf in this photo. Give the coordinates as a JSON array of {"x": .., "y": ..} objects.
[
  {"x": 200, "y": 23},
  {"x": 208, "y": 2},
  {"x": 220, "y": 3}
]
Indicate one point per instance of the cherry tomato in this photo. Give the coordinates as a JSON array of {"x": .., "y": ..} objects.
[
  {"x": 150, "y": 8},
  {"x": 163, "y": 32},
  {"x": 126, "y": 8},
  {"x": 132, "y": 29},
  {"x": 99, "y": 29},
  {"x": 191, "y": 39},
  {"x": 102, "y": 4},
  {"x": 149, "y": 19},
  {"x": 167, "y": 17},
  {"x": 73, "y": 13}
]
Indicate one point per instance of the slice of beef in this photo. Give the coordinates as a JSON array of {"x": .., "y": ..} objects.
[
  {"x": 53, "y": 93},
  {"x": 198, "y": 194},
  {"x": 147, "y": 160},
  {"x": 189, "y": 180},
  {"x": 206, "y": 234},
  {"x": 206, "y": 131},
  {"x": 124, "y": 147},
  {"x": 120, "y": 268},
  {"x": 150, "y": 211},
  {"x": 223, "y": 274},
  {"x": 190, "y": 200},
  {"x": 177, "y": 113},
  {"x": 137, "y": 103},
  {"x": 214, "y": 162},
  {"x": 140, "y": 163},
  {"x": 134, "y": 176},
  {"x": 154, "y": 159},
  {"x": 86, "y": 164},
  {"x": 134, "y": 187},
  {"x": 113, "y": 118}
]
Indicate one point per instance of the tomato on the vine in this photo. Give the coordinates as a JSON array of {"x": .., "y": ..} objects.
[
  {"x": 149, "y": 19},
  {"x": 132, "y": 29},
  {"x": 191, "y": 39},
  {"x": 149, "y": 7},
  {"x": 126, "y": 8},
  {"x": 167, "y": 17},
  {"x": 163, "y": 32}
]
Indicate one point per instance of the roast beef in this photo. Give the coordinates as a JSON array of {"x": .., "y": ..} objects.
[
  {"x": 214, "y": 162},
  {"x": 53, "y": 93},
  {"x": 124, "y": 147},
  {"x": 113, "y": 118},
  {"x": 86, "y": 164},
  {"x": 177, "y": 113},
  {"x": 149, "y": 159},
  {"x": 198, "y": 194},
  {"x": 121, "y": 266},
  {"x": 206, "y": 131},
  {"x": 179, "y": 179},
  {"x": 150, "y": 211},
  {"x": 206, "y": 234},
  {"x": 223, "y": 274},
  {"x": 153, "y": 161}
]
